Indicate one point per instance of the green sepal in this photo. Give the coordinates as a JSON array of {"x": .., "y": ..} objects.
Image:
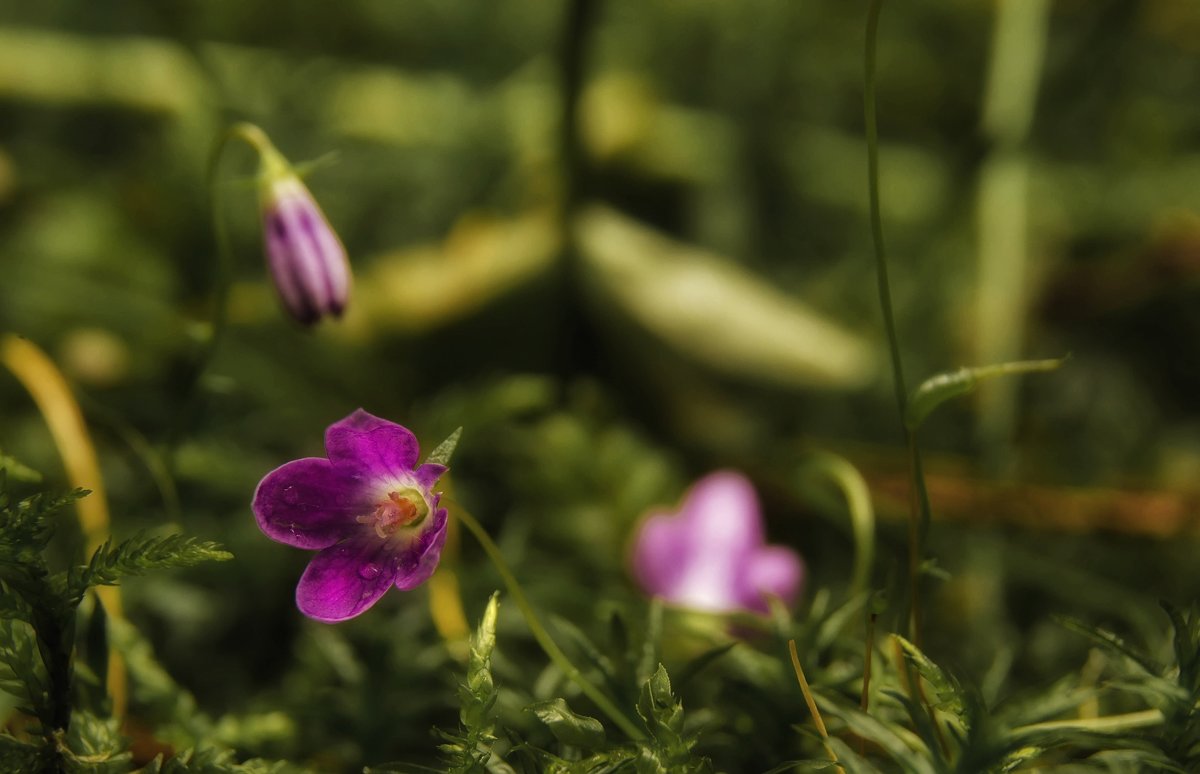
[{"x": 445, "y": 450}]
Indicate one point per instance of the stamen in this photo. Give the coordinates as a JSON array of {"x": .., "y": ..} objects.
[{"x": 391, "y": 514}]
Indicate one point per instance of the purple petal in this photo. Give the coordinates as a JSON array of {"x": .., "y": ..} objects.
[
  {"x": 775, "y": 571},
  {"x": 308, "y": 504},
  {"x": 346, "y": 579},
  {"x": 428, "y": 474},
  {"x": 419, "y": 561},
  {"x": 371, "y": 448},
  {"x": 722, "y": 515},
  {"x": 659, "y": 556}
]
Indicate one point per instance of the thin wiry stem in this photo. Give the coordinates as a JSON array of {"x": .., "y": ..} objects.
[
  {"x": 219, "y": 311},
  {"x": 919, "y": 515}
]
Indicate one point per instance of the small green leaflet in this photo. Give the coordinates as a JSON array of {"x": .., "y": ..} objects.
[{"x": 940, "y": 388}]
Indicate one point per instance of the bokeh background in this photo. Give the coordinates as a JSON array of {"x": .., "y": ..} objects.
[{"x": 622, "y": 243}]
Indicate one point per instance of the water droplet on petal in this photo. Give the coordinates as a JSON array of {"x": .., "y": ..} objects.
[{"x": 369, "y": 571}]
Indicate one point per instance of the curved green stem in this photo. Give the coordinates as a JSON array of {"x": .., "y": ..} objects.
[
  {"x": 539, "y": 632},
  {"x": 862, "y": 515},
  {"x": 219, "y": 314}
]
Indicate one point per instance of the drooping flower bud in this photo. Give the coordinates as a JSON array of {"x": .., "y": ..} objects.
[{"x": 307, "y": 260}]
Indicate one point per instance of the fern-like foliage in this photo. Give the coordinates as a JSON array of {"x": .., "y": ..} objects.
[
  {"x": 38, "y": 619},
  {"x": 670, "y": 746},
  {"x": 139, "y": 555},
  {"x": 470, "y": 750}
]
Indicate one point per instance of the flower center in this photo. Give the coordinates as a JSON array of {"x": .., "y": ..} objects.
[{"x": 403, "y": 508}]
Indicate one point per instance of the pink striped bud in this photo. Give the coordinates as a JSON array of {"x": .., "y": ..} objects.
[{"x": 307, "y": 260}]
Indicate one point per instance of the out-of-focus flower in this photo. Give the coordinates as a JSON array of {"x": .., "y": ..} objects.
[
  {"x": 712, "y": 555},
  {"x": 307, "y": 260},
  {"x": 368, "y": 509}
]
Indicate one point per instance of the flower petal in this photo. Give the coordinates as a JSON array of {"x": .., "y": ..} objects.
[
  {"x": 308, "y": 504},
  {"x": 773, "y": 571},
  {"x": 419, "y": 561},
  {"x": 428, "y": 474},
  {"x": 723, "y": 516},
  {"x": 346, "y": 579},
  {"x": 371, "y": 448},
  {"x": 307, "y": 261},
  {"x": 658, "y": 557}
]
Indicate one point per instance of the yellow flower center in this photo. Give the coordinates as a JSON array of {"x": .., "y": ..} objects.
[{"x": 403, "y": 508}]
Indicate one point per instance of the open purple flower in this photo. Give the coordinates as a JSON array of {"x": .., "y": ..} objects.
[
  {"x": 712, "y": 554},
  {"x": 369, "y": 511},
  {"x": 307, "y": 260}
]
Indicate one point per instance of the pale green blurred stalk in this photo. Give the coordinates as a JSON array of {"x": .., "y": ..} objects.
[{"x": 1002, "y": 210}]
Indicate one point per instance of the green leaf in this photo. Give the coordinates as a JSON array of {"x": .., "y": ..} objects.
[
  {"x": 22, "y": 673},
  {"x": 1113, "y": 644},
  {"x": 25, "y": 528},
  {"x": 662, "y": 714},
  {"x": 567, "y": 727},
  {"x": 949, "y": 694},
  {"x": 651, "y": 654},
  {"x": 470, "y": 749},
  {"x": 940, "y": 388},
  {"x": 445, "y": 450}
]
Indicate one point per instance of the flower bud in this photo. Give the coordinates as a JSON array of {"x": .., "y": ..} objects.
[{"x": 307, "y": 260}]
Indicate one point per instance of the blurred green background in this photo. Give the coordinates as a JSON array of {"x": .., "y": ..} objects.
[{"x": 622, "y": 242}]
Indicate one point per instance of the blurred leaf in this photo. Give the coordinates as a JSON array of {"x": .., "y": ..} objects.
[
  {"x": 715, "y": 311},
  {"x": 18, "y": 756},
  {"x": 425, "y": 287},
  {"x": 18, "y": 472}
]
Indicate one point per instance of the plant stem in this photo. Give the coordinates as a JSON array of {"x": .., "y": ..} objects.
[
  {"x": 219, "y": 313},
  {"x": 539, "y": 632},
  {"x": 919, "y": 513},
  {"x": 864, "y": 703},
  {"x": 881, "y": 267}
]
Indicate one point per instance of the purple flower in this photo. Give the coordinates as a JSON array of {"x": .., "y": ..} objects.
[
  {"x": 712, "y": 554},
  {"x": 368, "y": 510},
  {"x": 307, "y": 260}
]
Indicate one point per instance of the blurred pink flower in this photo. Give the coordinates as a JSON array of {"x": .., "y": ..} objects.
[{"x": 712, "y": 554}]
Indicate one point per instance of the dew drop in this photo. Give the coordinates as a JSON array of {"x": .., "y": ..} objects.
[{"x": 369, "y": 571}]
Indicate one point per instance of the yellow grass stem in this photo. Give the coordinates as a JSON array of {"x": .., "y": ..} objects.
[
  {"x": 812, "y": 704},
  {"x": 445, "y": 598},
  {"x": 54, "y": 399}
]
